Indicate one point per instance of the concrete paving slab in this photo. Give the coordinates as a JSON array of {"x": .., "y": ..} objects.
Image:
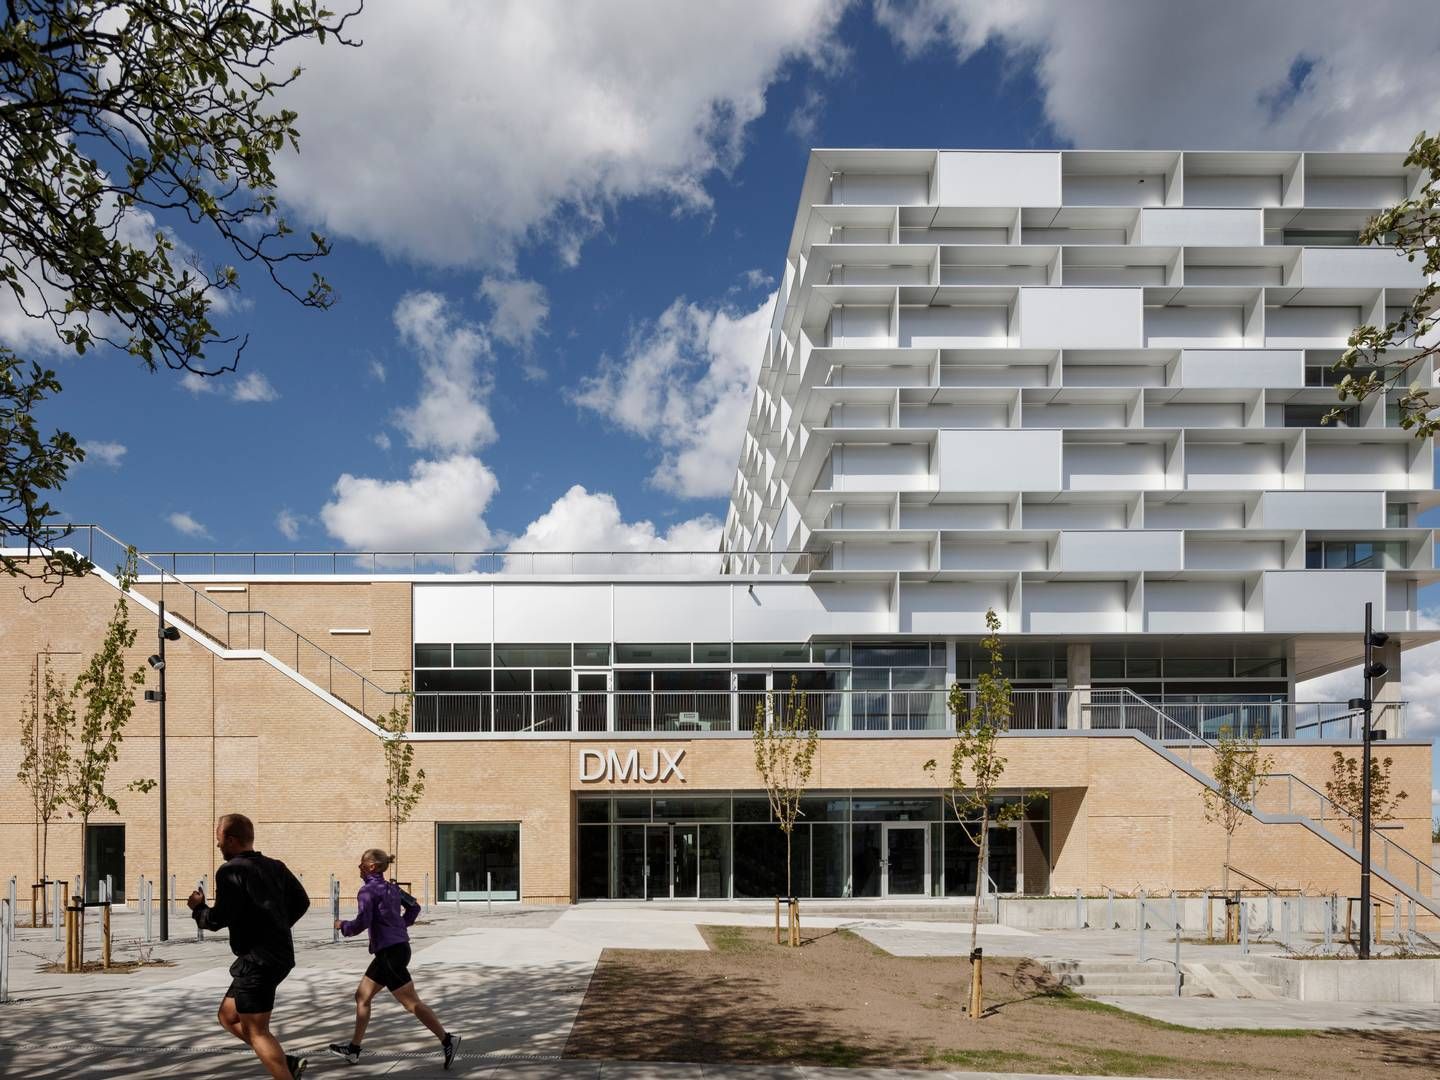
[{"x": 1281, "y": 1015}]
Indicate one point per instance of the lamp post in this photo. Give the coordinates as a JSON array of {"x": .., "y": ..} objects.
[
  {"x": 165, "y": 633},
  {"x": 1373, "y": 669}
]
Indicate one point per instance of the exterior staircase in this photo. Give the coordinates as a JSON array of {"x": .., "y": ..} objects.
[
  {"x": 1229, "y": 979},
  {"x": 1116, "y": 978}
]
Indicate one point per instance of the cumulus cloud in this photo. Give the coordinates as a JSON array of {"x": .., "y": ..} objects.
[
  {"x": 253, "y": 386},
  {"x": 200, "y": 384},
  {"x": 381, "y": 440},
  {"x": 520, "y": 307},
  {"x": 1229, "y": 73},
  {"x": 109, "y": 454},
  {"x": 685, "y": 383},
  {"x": 469, "y": 155},
  {"x": 583, "y": 521},
  {"x": 452, "y": 414},
  {"x": 182, "y": 522},
  {"x": 440, "y": 505}
]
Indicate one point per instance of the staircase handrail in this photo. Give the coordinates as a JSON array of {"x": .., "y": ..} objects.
[
  {"x": 369, "y": 690},
  {"x": 1271, "y": 889}
]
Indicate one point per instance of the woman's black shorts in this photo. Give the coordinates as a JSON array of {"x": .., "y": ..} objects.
[{"x": 390, "y": 967}]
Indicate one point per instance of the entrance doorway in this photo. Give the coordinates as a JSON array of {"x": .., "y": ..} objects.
[
  {"x": 906, "y": 860},
  {"x": 104, "y": 857},
  {"x": 657, "y": 862}
]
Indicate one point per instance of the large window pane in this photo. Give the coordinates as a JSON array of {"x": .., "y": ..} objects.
[
  {"x": 961, "y": 860},
  {"x": 865, "y": 841},
  {"x": 453, "y": 680},
  {"x": 752, "y": 653},
  {"x": 432, "y": 655},
  {"x": 714, "y": 861},
  {"x": 652, "y": 654},
  {"x": 472, "y": 655},
  {"x": 827, "y": 860},
  {"x": 759, "y": 861},
  {"x": 523, "y": 656},
  {"x": 474, "y": 850}
]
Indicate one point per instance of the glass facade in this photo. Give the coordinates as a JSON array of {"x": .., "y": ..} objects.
[{"x": 844, "y": 845}]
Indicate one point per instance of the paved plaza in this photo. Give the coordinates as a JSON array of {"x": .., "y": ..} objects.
[{"x": 511, "y": 981}]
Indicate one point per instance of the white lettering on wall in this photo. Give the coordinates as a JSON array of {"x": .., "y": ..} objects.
[{"x": 615, "y": 767}]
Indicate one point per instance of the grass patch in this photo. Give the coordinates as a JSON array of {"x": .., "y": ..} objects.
[
  {"x": 988, "y": 1060},
  {"x": 1115, "y": 1062},
  {"x": 1068, "y": 999},
  {"x": 729, "y": 939}
]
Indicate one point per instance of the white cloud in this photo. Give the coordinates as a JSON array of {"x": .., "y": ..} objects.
[
  {"x": 381, "y": 440},
  {"x": 182, "y": 522},
  {"x": 470, "y": 153},
  {"x": 582, "y": 521},
  {"x": 377, "y": 371},
  {"x": 289, "y": 523},
  {"x": 685, "y": 383},
  {"x": 109, "y": 454},
  {"x": 253, "y": 386},
  {"x": 451, "y": 415},
  {"x": 521, "y": 308},
  {"x": 1228, "y": 73},
  {"x": 755, "y": 278},
  {"x": 440, "y": 506},
  {"x": 200, "y": 384}
]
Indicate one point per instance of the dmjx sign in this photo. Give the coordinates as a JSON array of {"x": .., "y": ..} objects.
[{"x": 617, "y": 766}]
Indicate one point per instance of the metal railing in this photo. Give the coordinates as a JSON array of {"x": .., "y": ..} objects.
[
  {"x": 1280, "y": 719},
  {"x": 524, "y": 563},
  {"x": 232, "y": 629}
]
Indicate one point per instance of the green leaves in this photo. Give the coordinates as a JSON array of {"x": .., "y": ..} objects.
[
  {"x": 403, "y": 788},
  {"x": 1346, "y": 790},
  {"x": 1413, "y": 228},
  {"x": 178, "y": 100}
]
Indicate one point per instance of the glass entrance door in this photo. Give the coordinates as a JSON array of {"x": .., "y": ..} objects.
[
  {"x": 657, "y": 862},
  {"x": 907, "y": 860},
  {"x": 684, "y": 862},
  {"x": 592, "y": 701}
]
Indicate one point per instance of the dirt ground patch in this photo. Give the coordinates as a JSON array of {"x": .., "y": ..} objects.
[{"x": 839, "y": 1000}]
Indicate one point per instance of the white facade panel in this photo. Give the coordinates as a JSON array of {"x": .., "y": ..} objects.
[
  {"x": 954, "y": 327},
  {"x": 1310, "y": 327},
  {"x": 1114, "y": 466},
  {"x": 1195, "y": 515},
  {"x": 968, "y": 459},
  {"x": 881, "y": 466},
  {"x": 552, "y": 613},
  {"x": 940, "y": 515},
  {"x": 453, "y": 612},
  {"x": 872, "y": 189},
  {"x": 859, "y": 326},
  {"x": 1359, "y": 267},
  {"x": 777, "y": 611},
  {"x": 1074, "y": 607},
  {"x": 982, "y": 555},
  {"x": 1201, "y": 228},
  {"x": 1230, "y": 368},
  {"x": 1075, "y": 515},
  {"x": 1081, "y": 318},
  {"x": 979, "y": 178},
  {"x": 950, "y": 607},
  {"x": 1321, "y": 510},
  {"x": 1366, "y": 466},
  {"x": 1126, "y": 551},
  {"x": 1317, "y": 601},
  {"x": 1194, "y": 607},
  {"x": 1228, "y": 466},
  {"x": 649, "y": 614},
  {"x": 1192, "y": 327},
  {"x": 1234, "y": 555}
]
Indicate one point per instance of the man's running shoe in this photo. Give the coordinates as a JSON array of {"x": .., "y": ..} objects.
[
  {"x": 450, "y": 1044},
  {"x": 349, "y": 1051},
  {"x": 296, "y": 1065}
]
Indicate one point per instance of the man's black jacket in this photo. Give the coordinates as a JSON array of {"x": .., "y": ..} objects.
[{"x": 259, "y": 899}]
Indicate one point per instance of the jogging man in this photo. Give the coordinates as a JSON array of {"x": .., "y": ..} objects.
[{"x": 259, "y": 899}]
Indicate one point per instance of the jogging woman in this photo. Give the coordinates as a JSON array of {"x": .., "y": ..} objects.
[{"x": 387, "y": 911}]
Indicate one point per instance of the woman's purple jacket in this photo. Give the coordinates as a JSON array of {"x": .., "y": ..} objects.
[{"x": 382, "y": 909}]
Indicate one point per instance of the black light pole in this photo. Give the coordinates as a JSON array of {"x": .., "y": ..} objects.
[
  {"x": 165, "y": 633},
  {"x": 1371, "y": 670}
]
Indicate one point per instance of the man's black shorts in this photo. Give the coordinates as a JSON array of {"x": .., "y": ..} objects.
[
  {"x": 253, "y": 985},
  {"x": 390, "y": 967}
]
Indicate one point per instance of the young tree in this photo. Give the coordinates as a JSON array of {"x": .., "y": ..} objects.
[
  {"x": 1346, "y": 788},
  {"x": 105, "y": 690},
  {"x": 132, "y": 132},
  {"x": 45, "y": 754},
  {"x": 404, "y": 785},
  {"x": 975, "y": 770},
  {"x": 785, "y": 745},
  {"x": 1240, "y": 772},
  {"x": 1413, "y": 227}
]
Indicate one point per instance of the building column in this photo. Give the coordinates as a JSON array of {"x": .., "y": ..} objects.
[
  {"x": 1077, "y": 680},
  {"x": 1388, "y": 691}
]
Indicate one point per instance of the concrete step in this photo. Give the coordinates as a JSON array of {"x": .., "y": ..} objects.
[
  {"x": 1114, "y": 978},
  {"x": 1229, "y": 979}
]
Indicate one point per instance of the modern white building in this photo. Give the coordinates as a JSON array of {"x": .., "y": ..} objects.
[
  {"x": 1083, "y": 389},
  {"x": 1086, "y": 389}
]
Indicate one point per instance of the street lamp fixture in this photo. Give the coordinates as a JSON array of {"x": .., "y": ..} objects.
[
  {"x": 163, "y": 634},
  {"x": 1373, "y": 669}
]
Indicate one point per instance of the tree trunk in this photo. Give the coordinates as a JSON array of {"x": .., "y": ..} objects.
[
  {"x": 1225, "y": 870},
  {"x": 981, "y": 875},
  {"x": 80, "y": 929}
]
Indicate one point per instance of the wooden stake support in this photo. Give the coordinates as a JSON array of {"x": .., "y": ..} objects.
[
  {"x": 977, "y": 992},
  {"x": 105, "y": 935},
  {"x": 794, "y": 906},
  {"x": 777, "y": 920}
]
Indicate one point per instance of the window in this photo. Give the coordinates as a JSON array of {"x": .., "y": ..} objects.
[
  {"x": 432, "y": 656},
  {"x": 1321, "y": 238},
  {"x": 1314, "y": 416},
  {"x": 474, "y": 853},
  {"x": 1355, "y": 555}
]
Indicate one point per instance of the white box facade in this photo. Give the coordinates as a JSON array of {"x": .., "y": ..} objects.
[{"x": 1086, "y": 388}]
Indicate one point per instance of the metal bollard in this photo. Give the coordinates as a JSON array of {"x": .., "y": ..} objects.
[
  {"x": 1327, "y": 924},
  {"x": 7, "y": 932},
  {"x": 1177, "y": 960},
  {"x": 1285, "y": 924},
  {"x": 457, "y": 892},
  {"x": 1110, "y": 909},
  {"x": 1244, "y": 927},
  {"x": 334, "y": 909},
  {"x": 1079, "y": 911},
  {"x": 426, "y": 892},
  {"x": 1397, "y": 916},
  {"x": 1269, "y": 915},
  {"x": 57, "y": 908},
  {"x": 109, "y": 890},
  {"x": 1174, "y": 909},
  {"x": 1140, "y": 925},
  {"x": 200, "y": 930},
  {"x": 1412, "y": 923},
  {"x": 147, "y": 900},
  {"x": 171, "y": 901},
  {"x": 1205, "y": 915},
  {"x": 487, "y": 892}
]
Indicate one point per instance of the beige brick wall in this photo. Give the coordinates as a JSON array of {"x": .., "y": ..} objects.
[{"x": 245, "y": 737}]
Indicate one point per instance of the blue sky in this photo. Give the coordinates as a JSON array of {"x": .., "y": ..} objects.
[{"x": 556, "y": 228}]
